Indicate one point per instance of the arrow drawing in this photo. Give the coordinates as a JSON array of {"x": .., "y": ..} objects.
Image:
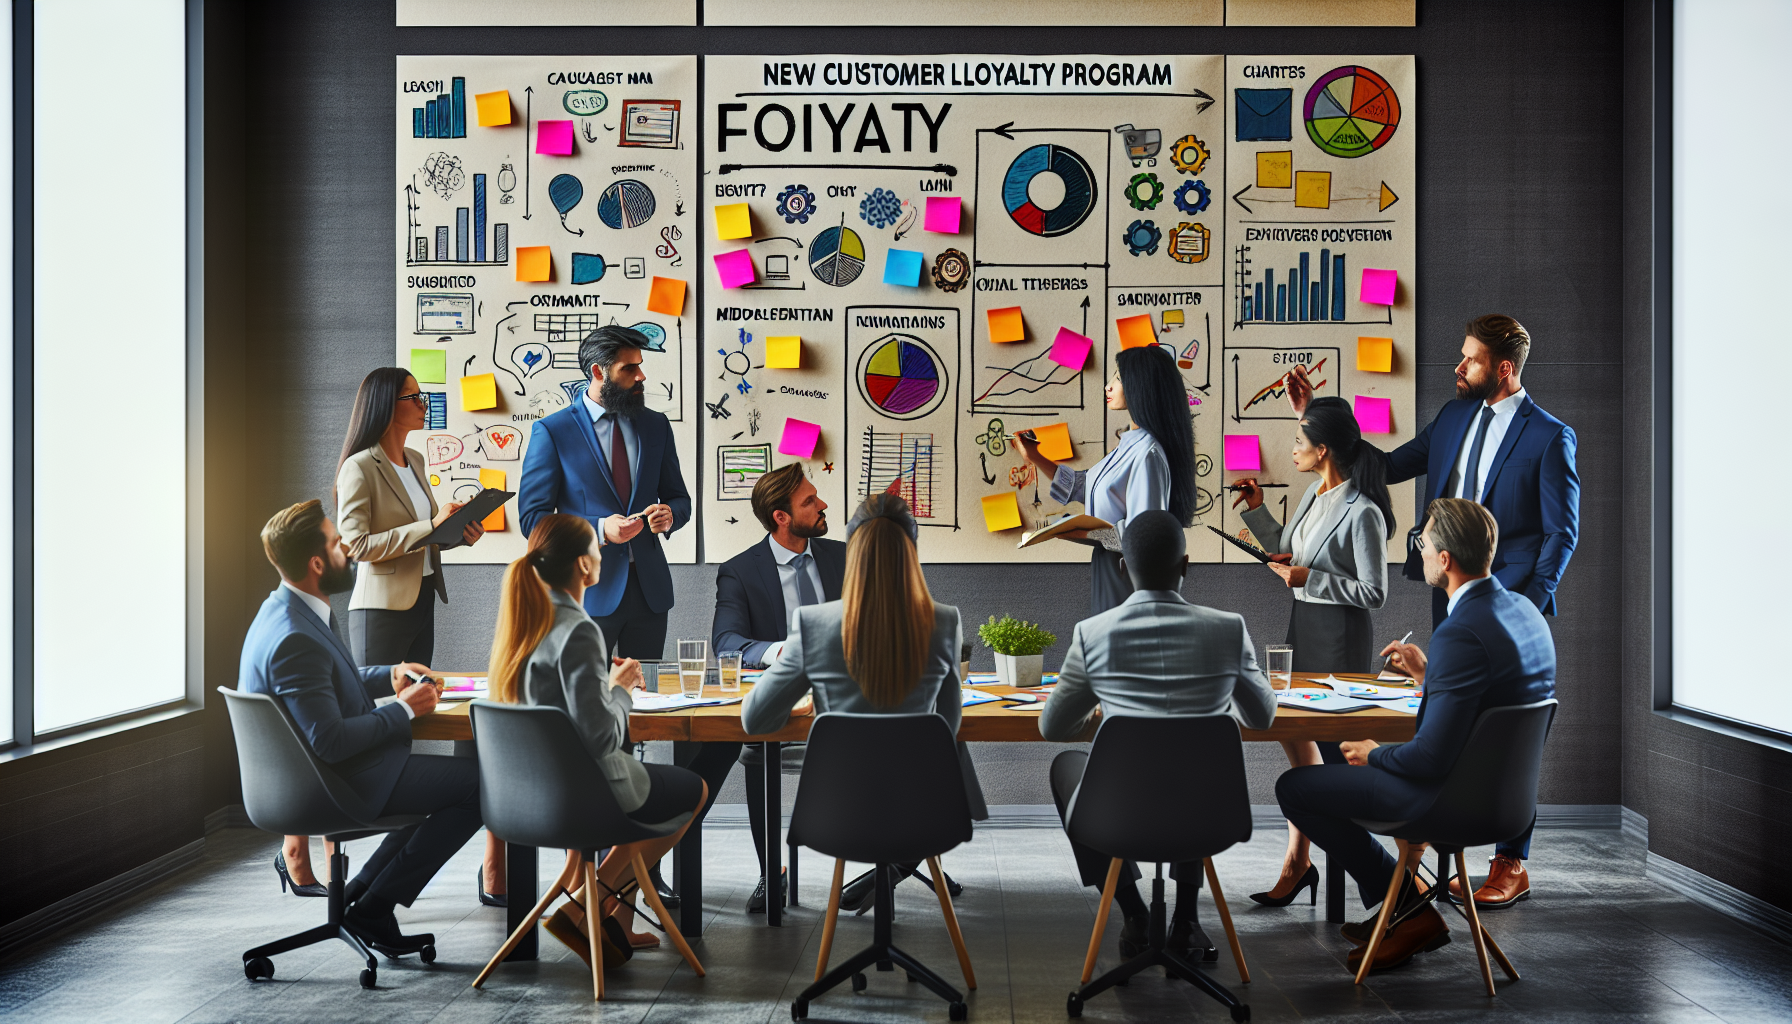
[
  {"x": 1383, "y": 197},
  {"x": 1002, "y": 130},
  {"x": 935, "y": 168},
  {"x": 988, "y": 477},
  {"x": 587, "y": 132},
  {"x": 1085, "y": 316}
]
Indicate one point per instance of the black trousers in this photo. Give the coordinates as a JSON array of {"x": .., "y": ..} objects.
[
  {"x": 446, "y": 789},
  {"x": 634, "y": 630},
  {"x": 1092, "y": 867},
  {"x": 1321, "y": 800},
  {"x": 381, "y": 637}
]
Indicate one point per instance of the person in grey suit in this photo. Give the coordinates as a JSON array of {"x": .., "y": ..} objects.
[
  {"x": 1118, "y": 661},
  {"x": 1333, "y": 555}
]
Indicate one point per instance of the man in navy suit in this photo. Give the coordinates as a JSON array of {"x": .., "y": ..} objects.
[
  {"x": 610, "y": 459},
  {"x": 292, "y": 653},
  {"x": 1496, "y": 446},
  {"x": 1492, "y": 649}
]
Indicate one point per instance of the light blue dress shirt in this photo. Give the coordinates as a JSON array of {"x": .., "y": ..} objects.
[{"x": 1133, "y": 478}]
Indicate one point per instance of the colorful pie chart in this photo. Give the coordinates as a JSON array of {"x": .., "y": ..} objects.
[
  {"x": 1070, "y": 211},
  {"x": 901, "y": 377},
  {"x": 1351, "y": 112}
]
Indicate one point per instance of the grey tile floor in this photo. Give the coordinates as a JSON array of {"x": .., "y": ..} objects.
[{"x": 1600, "y": 943}]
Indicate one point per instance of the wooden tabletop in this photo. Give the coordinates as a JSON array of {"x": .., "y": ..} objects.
[{"x": 994, "y": 722}]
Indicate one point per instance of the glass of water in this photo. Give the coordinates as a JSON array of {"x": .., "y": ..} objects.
[
  {"x": 693, "y": 665},
  {"x": 1280, "y": 658},
  {"x": 666, "y": 677},
  {"x": 728, "y": 671}
]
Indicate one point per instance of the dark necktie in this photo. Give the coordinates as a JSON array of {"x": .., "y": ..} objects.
[
  {"x": 805, "y": 591},
  {"x": 1471, "y": 488},
  {"x": 619, "y": 474}
]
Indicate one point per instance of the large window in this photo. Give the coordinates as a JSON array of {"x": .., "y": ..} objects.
[{"x": 1732, "y": 494}]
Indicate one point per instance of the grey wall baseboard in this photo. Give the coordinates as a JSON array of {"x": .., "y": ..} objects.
[
  {"x": 73, "y": 910},
  {"x": 1726, "y": 899},
  {"x": 228, "y": 816},
  {"x": 1635, "y": 826}
]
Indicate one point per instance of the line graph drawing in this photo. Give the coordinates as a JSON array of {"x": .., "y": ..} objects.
[
  {"x": 1270, "y": 366},
  {"x": 885, "y": 456},
  {"x": 1028, "y": 378}
]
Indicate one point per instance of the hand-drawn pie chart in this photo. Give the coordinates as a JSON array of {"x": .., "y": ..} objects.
[
  {"x": 837, "y": 256},
  {"x": 902, "y": 377},
  {"x": 1351, "y": 111},
  {"x": 626, "y": 204},
  {"x": 1056, "y": 216}
]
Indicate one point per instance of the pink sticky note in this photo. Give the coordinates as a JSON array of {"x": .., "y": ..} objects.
[
  {"x": 942, "y": 214},
  {"x": 1375, "y": 415},
  {"x": 735, "y": 268},
  {"x": 1070, "y": 349},
  {"x": 1378, "y": 287},
  {"x": 800, "y": 438},
  {"x": 1242, "y": 453},
  {"x": 553, "y": 138}
]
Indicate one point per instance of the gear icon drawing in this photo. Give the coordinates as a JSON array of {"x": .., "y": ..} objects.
[
  {"x": 1145, "y": 191},
  {"x": 881, "y": 208},
  {"x": 1142, "y": 237},
  {"x": 795, "y": 204},
  {"x": 951, "y": 270},
  {"x": 1192, "y": 206},
  {"x": 1189, "y": 155}
]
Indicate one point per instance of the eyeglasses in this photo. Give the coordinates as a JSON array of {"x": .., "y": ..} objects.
[{"x": 415, "y": 396}]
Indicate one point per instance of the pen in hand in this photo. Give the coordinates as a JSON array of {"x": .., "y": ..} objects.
[{"x": 1389, "y": 660}]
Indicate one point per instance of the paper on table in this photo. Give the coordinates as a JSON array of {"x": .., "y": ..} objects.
[
  {"x": 1375, "y": 355},
  {"x": 1406, "y": 705},
  {"x": 1320, "y": 700},
  {"x": 1071, "y": 350},
  {"x": 784, "y": 352},
  {"x": 735, "y": 268},
  {"x": 1367, "y": 691},
  {"x": 1390, "y": 676},
  {"x": 1378, "y": 287},
  {"x": 494, "y": 108},
  {"x": 942, "y": 214},
  {"x": 1243, "y": 454},
  {"x": 464, "y": 688},
  {"x": 800, "y": 438},
  {"x": 553, "y": 138},
  {"x": 1375, "y": 415},
  {"x": 1054, "y": 442},
  {"x": 971, "y": 698},
  {"x": 1136, "y": 331},
  {"x": 666, "y": 296},
  {"x": 1006, "y": 324},
  {"x": 479, "y": 392},
  {"x": 902, "y": 267},
  {"x": 1001, "y": 511},
  {"x": 734, "y": 220},
  {"x": 429, "y": 365},
  {"x": 649, "y": 703},
  {"x": 493, "y": 478},
  {"x": 534, "y": 263}
]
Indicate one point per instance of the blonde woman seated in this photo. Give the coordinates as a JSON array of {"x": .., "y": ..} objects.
[{"x": 548, "y": 652}]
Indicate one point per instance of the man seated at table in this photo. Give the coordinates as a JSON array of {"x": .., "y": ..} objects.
[
  {"x": 1493, "y": 649},
  {"x": 1155, "y": 654},
  {"x": 292, "y": 653},
  {"x": 758, "y": 593}
]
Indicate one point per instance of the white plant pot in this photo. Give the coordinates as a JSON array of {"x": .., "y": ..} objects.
[{"x": 1020, "y": 671}]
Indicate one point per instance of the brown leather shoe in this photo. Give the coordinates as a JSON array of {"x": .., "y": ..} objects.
[
  {"x": 1421, "y": 933},
  {"x": 1507, "y": 883}
]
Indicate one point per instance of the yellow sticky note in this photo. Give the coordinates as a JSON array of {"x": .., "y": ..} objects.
[
  {"x": 493, "y": 478},
  {"x": 1054, "y": 442},
  {"x": 1313, "y": 189},
  {"x": 1275, "y": 170},
  {"x": 534, "y": 263},
  {"x": 1174, "y": 316},
  {"x": 666, "y": 296},
  {"x": 734, "y": 221},
  {"x": 1375, "y": 355},
  {"x": 494, "y": 108},
  {"x": 1006, "y": 325},
  {"x": 1136, "y": 331},
  {"x": 784, "y": 353},
  {"x": 1001, "y": 511},
  {"x": 479, "y": 392}
]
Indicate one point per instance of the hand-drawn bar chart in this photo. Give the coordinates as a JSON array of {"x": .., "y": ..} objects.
[
  {"x": 1308, "y": 291},
  {"x": 468, "y": 233},
  {"x": 444, "y": 117},
  {"x": 905, "y": 458}
]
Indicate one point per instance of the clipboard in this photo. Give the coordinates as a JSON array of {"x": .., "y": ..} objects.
[
  {"x": 1250, "y": 549},
  {"x": 448, "y": 534},
  {"x": 1069, "y": 522}
]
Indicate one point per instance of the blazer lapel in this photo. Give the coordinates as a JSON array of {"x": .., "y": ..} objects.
[
  {"x": 1306, "y": 500},
  {"x": 647, "y": 448},
  {"x": 1507, "y": 443},
  {"x": 308, "y": 619},
  {"x": 1336, "y": 515},
  {"x": 389, "y": 473},
  {"x": 1457, "y": 434},
  {"x": 588, "y": 430}
]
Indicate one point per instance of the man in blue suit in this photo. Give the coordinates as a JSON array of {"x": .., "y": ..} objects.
[
  {"x": 1493, "y": 649},
  {"x": 1496, "y": 446},
  {"x": 611, "y": 460},
  {"x": 292, "y": 653}
]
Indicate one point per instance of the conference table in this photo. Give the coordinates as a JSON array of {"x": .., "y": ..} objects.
[{"x": 995, "y": 722}]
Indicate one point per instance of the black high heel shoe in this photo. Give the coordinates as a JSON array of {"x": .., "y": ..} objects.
[
  {"x": 1309, "y": 881},
  {"x": 486, "y": 898},
  {"x": 286, "y": 882}
]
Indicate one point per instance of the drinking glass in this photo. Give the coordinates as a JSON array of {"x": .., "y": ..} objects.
[
  {"x": 728, "y": 671},
  {"x": 693, "y": 665},
  {"x": 1280, "y": 659},
  {"x": 666, "y": 677}
]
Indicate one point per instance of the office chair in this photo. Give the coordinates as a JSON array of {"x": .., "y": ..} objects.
[
  {"x": 884, "y": 790},
  {"x": 1116, "y": 811},
  {"x": 289, "y": 792},
  {"x": 538, "y": 786},
  {"x": 1489, "y": 797}
]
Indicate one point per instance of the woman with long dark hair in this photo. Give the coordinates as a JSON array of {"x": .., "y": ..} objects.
[
  {"x": 1333, "y": 555},
  {"x": 1153, "y": 466}
]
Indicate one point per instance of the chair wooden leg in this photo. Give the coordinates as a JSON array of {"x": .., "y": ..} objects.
[
  {"x": 828, "y": 921},
  {"x": 1219, "y": 899},
  {"x": 554, "y": 891},
  {"x": 1101, "y": 918},
  {"x": 659, "y": 911},
  {"x": 593, "y": 931},
  {"x": 1387, "y": 909},
  {"x": 939, "y": 889},
  {"x": 1499, "y": 956},
  {"x": 1474, "y": 924}
]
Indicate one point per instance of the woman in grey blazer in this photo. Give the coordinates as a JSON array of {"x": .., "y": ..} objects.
[
  {"x": 548, "y": 652},
  {"x": 1333, "y": 555}
]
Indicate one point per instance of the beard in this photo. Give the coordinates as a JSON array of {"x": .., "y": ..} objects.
[
  {"x": 819, "y": 528},
  {"x": 624, "y": 402},
  {"x": 337, "y": 578},
  {"x": 1475, "y": 392}
]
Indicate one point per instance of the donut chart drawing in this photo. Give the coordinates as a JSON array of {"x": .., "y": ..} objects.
[
  {"x": 1351, "y": 112},
  {"x": 1079, "y": 190},
  {"x": 837, "y": 256},
  {"x": 902, "y": 377}
]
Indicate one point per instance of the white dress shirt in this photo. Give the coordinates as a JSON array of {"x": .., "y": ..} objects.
[
  {"x": 787, "y": 582},
  {"x": 1466, "y": 587},
  {"x": 321, "y": 608},
  {"x": 1503, "y": 412},
  {"x": 605, "y": 423},
  {"x": 1305, "y": 539},
  {"x": 419, "y": 501}
]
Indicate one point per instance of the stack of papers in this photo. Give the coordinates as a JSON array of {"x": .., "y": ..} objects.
[
  {"x": 464, "y": 688},
  {"x": 1368, "y": 691},
  {"x": 1321, "y": 700},
  {"x": 972, "y": 698},
  {"x": 650, "y": 703},
  {"x": 1046, "y": 681}
]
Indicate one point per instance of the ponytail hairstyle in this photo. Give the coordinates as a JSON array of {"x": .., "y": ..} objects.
[
  {"x": 1158, "y": 404},
  {"x": 888, "y": 622},
  {"x": 525, "y": 612},
  {"x": 1329, "y": 421}
]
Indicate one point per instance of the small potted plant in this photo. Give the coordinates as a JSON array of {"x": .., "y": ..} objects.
[{"x": 1019, "y": 647}]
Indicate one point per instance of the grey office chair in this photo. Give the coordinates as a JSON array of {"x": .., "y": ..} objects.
[
  {"x": 1489, "y": 797},
  {"x": 1117, "y": 811},
  {"x": 289, "y": 792},
  {"x": 883, "y": 790},
  {"x": 538, "y": 786}
]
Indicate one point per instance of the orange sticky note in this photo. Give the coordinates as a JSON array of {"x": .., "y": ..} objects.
[
  {"x": 784, "y": 353},
  {"x": 534, "y": 263},
  {"x": 1001, "y": 511},
  {"x": 1054, "y": 442},
  {"x": 1375, "y": 355},
  {"x": 667, "y": 296},
  {"x": 1136, "y": 331},
  {"x": 479, "y": 392},
  {"x": 493, "y": 478},
  {"x": 1006, "y": 325},
  {"x": 494, "y": 108}
]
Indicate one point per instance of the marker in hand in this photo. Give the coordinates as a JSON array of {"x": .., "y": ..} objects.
[{"x": 1240, "y": 487}]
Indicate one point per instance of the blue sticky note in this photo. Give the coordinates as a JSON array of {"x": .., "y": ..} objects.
[
  {"x": 1265, "y": 115},
  {"x": 903, "y": 267}
]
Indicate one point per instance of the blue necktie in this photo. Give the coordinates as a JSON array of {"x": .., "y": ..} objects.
[
  {"x": 805, "y": 591},
  {"x": 1471, "y": 488}
]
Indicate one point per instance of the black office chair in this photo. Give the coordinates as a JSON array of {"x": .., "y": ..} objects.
[
  {"x": 538, "y": 786},
  {"x": 883, "y": 790},
  {"x": 1489, "y": 797},
  {"x": 1202, "y": 808},
  {"x": 289, "y": 792}
]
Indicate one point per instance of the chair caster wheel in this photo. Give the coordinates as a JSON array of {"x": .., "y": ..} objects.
[
  {"x": 369, "y": 977},
  {"x": 1241, "y": 1013},
  {"x": 427, "y": 954},
  {"x": 799, "y": 1010},
  {"x": 257, "y": 968},
  {"x": 1074, "y": 1005},
  {"x": 859, "y": 983},
  {"x": 958, "y": 1011}
]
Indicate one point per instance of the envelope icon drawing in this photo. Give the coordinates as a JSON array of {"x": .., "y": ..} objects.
[{"x": 1265, "y": 115}]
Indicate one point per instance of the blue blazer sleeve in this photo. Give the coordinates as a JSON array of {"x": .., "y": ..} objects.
[
  {"x": 1411, "y": 459},
  {"x": 1452, "y": 701},
  {"x": 377, "y": 681},
  {"x": 734, "y": 620},
  {"x": 539, "y": 493},
  {"x": 672, "y": 490},
  {"x": 1559, "y": 498},
  {"x": 300, "y": 672}
]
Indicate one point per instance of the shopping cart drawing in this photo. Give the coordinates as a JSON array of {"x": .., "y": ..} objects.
[{"x": 1142, "y": 144}]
